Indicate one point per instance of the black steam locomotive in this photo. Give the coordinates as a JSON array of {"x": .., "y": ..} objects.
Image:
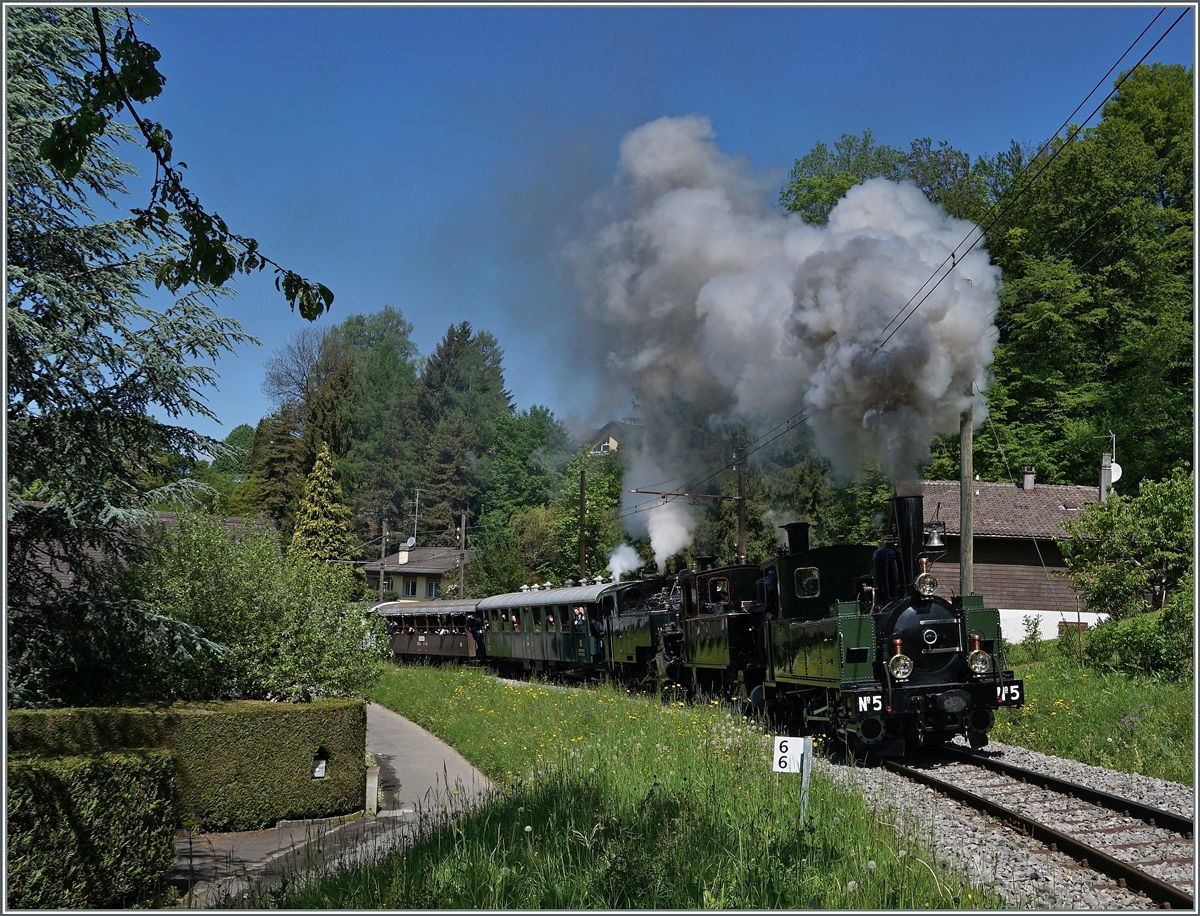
[{"x": 845, "y": 640}]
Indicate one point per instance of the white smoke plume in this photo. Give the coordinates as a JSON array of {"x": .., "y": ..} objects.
[
  {"x": 668, "y": 523},
  {"x": 670, "y": 526},
  {"x": 708, "y": 297},
  {"x": 624, "y": 559}
]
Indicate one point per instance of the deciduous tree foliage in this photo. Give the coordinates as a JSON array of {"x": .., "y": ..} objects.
[
  {"x": 1096, "y": 319},
  {"x": 117, "y": 70},
  {"x": 291, "y": 625},
  {"x": 1116, "y": 550}
]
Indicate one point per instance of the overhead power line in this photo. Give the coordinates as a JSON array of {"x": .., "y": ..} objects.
[{"x": 998, "y": 211}]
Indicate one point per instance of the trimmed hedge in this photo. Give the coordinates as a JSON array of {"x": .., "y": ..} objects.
[
  {"x": 240, "y": 765},
  {"x": 89, "y": 831}
]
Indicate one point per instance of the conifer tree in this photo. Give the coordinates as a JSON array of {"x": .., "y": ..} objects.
[
  {"x": 276, "y": 469},
  {"x": 323, "y": 530}
]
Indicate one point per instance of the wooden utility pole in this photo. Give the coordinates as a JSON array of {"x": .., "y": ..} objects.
[
  {"x": 966, "y": 502},
  {"x": 582, "y": 513},
  {"x": 462, "y": 555},
  {"x": 382, "y": 556},
  {"x": 741, "y": 466}
]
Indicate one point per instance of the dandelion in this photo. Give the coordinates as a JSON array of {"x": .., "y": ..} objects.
[
  {"x": 528, "y": 828},
  {"x": 836, "y": 821},
  {"x": 851, "y": 886},
  {"x": 903, "y": 853},
  {"x": 871, "y": 865},
  {"x": 505, "y": 872}
]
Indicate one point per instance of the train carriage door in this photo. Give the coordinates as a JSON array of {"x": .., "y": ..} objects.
[
  {"x": 595, "y": 619},
  {"x": 580, "y": 638}
]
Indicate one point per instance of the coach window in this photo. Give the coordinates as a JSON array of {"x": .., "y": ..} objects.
[
  {"x": 537, "y": 620},
  {"x": 808, "y": 582},
  {"x": 563, "y": 616}
]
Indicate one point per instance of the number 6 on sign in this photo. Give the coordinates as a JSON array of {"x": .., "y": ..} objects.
[{"x": 794, "y": 755}]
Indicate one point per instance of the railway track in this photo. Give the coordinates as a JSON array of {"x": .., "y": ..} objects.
[{"x": 1144, "y": 849}]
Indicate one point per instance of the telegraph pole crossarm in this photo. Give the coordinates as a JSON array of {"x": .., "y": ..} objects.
[{"x": 688, "y": 495}]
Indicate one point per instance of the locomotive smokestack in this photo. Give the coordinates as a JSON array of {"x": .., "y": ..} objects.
[
  {"x": 705, "y": 563},
  {"x": 797, "y": 535},
  {"x": 910, "y": 529}
]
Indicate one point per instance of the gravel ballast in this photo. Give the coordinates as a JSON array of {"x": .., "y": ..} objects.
[{"x": 1023, "y": 871}]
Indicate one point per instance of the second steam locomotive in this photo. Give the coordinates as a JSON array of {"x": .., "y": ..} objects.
[{"x": 846, "y": 640}]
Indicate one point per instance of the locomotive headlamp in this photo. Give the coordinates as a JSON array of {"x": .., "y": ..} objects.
[
  {"x": 978, "y": 662},
  {"x": 926, "y": 584},
  {"x": 899, "y": 665}
]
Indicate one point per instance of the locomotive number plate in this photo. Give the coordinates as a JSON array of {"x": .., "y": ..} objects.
[
  {"x": 870, "y": 703},
  {"x": 1009, "y": 694}
]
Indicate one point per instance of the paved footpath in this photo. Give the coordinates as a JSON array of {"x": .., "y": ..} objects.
[{"x": 420, "y": 776}]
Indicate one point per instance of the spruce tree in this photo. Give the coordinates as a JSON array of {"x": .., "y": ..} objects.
[
  {"x": 277, "y": 471},
  {"x": 322, "y": 526}
]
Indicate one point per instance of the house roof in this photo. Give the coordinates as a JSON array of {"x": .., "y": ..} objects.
[
  {"x": 615, "y": 428},
  {"x": 420, "y": 561},
  {"x": 1004, "y": 510}
]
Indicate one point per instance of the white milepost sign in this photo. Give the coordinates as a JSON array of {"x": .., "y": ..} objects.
[{"x": 794, "y": 755}]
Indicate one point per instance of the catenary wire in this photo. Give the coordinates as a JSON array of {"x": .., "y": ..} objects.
[{"x": 953, "y": 258}]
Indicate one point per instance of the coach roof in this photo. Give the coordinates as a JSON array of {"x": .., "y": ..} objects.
[{"x": 579, "y": 595}]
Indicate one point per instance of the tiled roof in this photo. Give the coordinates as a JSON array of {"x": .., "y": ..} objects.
[
  {"x": 420, "y": 561},
  {"x": 1004, "y": 510}
]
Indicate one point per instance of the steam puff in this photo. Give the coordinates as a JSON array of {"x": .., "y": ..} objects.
[
  {"x": 670, "y": 526},
  {"x": 709, "y": 298},
  {"x": 624, "y": 559}
]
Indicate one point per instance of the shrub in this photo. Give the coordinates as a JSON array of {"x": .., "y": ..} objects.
[
  {"x": 88, "y": 831},
  {"x": 81, "y": 652},
  {"x": 239, "y": 766},
  {"x": 1148, "y": 644},
  {"x": 293, "y": 626}
]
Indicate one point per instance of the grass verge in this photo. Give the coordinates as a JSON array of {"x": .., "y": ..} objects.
[
  {"x": 1130, "y": 723},
  {"x": 606, "y": 800}
]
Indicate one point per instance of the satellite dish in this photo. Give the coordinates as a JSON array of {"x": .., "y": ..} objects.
[
  {"x": 409, "y": 543},
  {"x": 1116, "y": 472}
]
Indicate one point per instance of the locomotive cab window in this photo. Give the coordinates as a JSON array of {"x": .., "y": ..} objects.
[
  {"x": 808, "y": 582},
  {"x": 718, "y": 591}
]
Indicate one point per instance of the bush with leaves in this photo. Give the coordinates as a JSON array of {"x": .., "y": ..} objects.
[
  {"x": 292, "y": 625},
  {"x": 81, "y": 652},
  {"x": 1118, "y": 548}
]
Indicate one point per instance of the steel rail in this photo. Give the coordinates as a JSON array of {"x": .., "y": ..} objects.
[
  {"x": 1159, "y": 891},
  {"x": 1155, "y": 817}
]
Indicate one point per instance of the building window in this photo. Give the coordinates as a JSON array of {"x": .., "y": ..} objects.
[
  {"x": 410, "y": 588},
  {"x": 431, "y": 588}
]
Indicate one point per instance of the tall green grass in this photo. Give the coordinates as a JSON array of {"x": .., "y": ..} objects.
[
  {"x": 1131, "y": 723},
  {"x": 607, "y": 800}
]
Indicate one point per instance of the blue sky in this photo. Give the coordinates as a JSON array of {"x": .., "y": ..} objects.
[{"x": 435, "y": 159}]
